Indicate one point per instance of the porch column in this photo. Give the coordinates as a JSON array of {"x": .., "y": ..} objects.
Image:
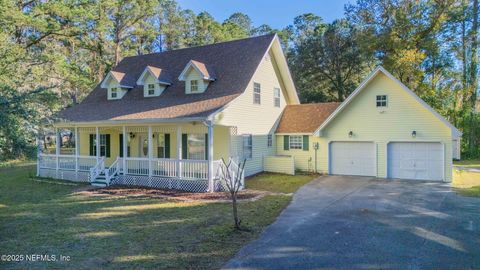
[
  {"x": 57, "y": 146},
  {"x": 77, "y": 149},
  {"x": 97, "y": 143},
  {"x": 210, "y": 157},
  {"x": 179, "y": 151},
  {"x": 150, "y": 150},
  {"x": 124, "y": 160}
]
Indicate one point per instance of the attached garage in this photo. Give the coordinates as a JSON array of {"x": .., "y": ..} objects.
[
  {"x": 415, "y": 160},
  {"x": 353, "y": 158}
]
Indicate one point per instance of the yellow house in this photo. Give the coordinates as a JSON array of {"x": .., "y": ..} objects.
[
  {"x": 167, "y": 119},
  {"x": 382, "y": 129}
]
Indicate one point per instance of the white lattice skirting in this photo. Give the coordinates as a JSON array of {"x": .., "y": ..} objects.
[
  {"x": 65, "y": 175},
  {"x": 166, "y": 183}
]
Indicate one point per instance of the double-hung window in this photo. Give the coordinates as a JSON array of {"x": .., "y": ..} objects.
[
  {"x": 269, "y": 140},
  {"x": 381, "y": 101},
  {"x": 151, "y": 89},
  {"x": 114, "y": 92},
  {"x": 276, "y": 97},
  {"x": 196, "y": 146},
  {"x": 256, "y": 93},
  {"x": 247, "y": 146},
  {"x": 296, "y": 142},
  {"x": 104, "y": 145},
  {"x": 194, "y": 86}
]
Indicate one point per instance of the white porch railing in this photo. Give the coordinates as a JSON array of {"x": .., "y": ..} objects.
[
  {"x": 113, "y": 170},
  {"x": 219, "y": 169},
  {"x": 97, "y": 169},
  {"x": 66, "y": 162},
  {"x": 160, "y": 167},
  {"x": 164, "y": 167}
]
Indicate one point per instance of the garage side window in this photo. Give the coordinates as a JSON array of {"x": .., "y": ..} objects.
[
  {"x": 381, "y": 101},
  {"x": 296, "y": 142}
]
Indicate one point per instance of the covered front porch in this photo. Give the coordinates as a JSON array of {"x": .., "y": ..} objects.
[{"x": 167, "y": 155}]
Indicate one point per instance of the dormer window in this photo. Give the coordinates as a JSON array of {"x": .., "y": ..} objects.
[
  {"x": 197, "y": 77},
  {"x": 193, "y": 86},
  {"x": 117, "y": 84},
  {"x": 154, "y": 81},
  {"x": 151, "y": 89},
  {"x": 114, "y": 92}
]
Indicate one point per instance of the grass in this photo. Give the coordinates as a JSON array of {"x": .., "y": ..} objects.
[
  {"x": 16, "y": 162},
  {"x": 49, "y": 217},
  {"x": 281, "y": 183},
  {"x": 470, "y": 192},
  {"x": 467, "y": 182},
  {"x": 468, "y": 163}
]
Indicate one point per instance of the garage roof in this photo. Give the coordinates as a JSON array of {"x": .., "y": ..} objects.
[{"x": 305, "y": 118}]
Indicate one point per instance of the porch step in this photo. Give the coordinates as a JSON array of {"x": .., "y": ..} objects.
[{"x": 98, "y": 184}]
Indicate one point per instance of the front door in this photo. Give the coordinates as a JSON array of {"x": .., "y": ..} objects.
[{"x": 143, "y": 145}]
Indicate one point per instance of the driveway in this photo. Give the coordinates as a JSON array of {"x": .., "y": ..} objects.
[{"x": 340, "y": 222}]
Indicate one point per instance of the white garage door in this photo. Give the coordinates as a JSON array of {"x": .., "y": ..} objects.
[
  {"x": 352, "y": 158},
  {"x": 415, "y": 160}
]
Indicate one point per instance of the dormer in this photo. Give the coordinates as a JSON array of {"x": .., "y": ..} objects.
[
  {"x": 117, "y": 84},
  {"x": 197, "y": 76},
  {"x": 154, "y": 81}
]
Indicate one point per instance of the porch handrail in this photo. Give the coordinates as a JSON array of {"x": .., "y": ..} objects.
[
  {"x": 70, "y": 156},
  {"x": 97, "y": 169},
  {"x": 112, "y": 170}
]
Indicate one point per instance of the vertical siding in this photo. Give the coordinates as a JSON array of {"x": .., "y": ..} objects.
[{"x": 256, "y": 119}]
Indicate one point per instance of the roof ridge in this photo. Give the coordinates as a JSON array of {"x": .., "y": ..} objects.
[{"x": 200, "y": 46}]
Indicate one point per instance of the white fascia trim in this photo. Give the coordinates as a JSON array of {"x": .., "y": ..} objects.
[
  {"x": 181, "y": 77},
  {"x": 283, "y": 61},
  {"x": 129, "y": 122},
  {"x": 104, "y": 82},
  {"x": 142, "y": 77},
  {"x": 455, "y": 131},
  {"x": 212, "y": 115}
]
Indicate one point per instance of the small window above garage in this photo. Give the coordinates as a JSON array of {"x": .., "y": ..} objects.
[{"x": 382, "y": 101}]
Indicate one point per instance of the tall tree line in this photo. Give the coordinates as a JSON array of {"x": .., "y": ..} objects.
[
  {"x": 430, "y": 45},
  {"x": 52, "y": 53}
]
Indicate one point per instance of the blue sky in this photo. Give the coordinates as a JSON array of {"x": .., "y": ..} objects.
[{"x": 277, "y": 14}]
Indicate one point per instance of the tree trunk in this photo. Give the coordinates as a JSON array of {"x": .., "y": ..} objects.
[
  {"x": 235, "y": 212},
  {"x": 473, "y": 77}
]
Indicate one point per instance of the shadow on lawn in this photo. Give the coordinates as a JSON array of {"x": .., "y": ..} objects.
[{"x": 118, "y": 232}]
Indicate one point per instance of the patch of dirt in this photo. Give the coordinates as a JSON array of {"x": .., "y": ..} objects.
[{"x": 129, "y": 191}]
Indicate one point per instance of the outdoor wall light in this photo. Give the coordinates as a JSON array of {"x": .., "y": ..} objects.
[
  {"x": 132, "y": 135},
  {"x": 414, "y": 133},
  {"x": 350, "y": 134}
]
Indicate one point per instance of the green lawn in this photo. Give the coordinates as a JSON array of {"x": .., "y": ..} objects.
[
  {"x": 282, "y": 183},
  {"x": 468, "y": 163},
  {"x": 471, "y": 192},
  {"x": 123, "y": 233},
  {"x": 467, "y": 182}
]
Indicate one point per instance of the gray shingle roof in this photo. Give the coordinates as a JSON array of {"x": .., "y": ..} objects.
[{"x": 234, "y": 63}]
